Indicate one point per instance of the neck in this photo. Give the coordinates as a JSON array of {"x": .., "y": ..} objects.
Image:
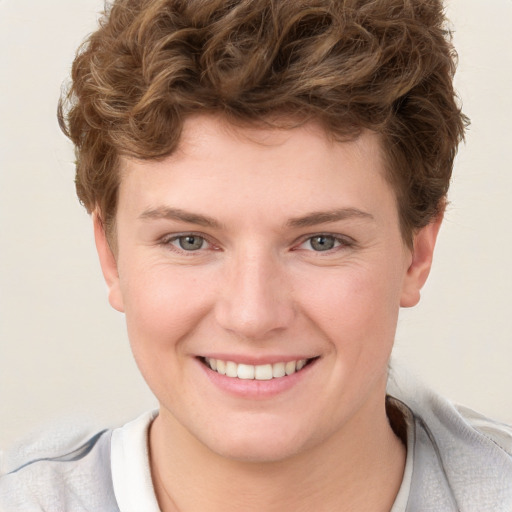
[{"x": 358, "y": 468}]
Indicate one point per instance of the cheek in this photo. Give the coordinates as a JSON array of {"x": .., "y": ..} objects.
[
  {"x": 162, "y": 307},
  {"x": 356, "y": 308}
]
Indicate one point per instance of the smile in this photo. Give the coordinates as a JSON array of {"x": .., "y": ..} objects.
[{"x": 255, "y": 372}]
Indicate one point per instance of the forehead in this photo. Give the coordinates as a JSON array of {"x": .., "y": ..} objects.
[
  {"x": 207, "y": 137},
  {"x": 278, "y": 132},
  {"x": 301, "y": 168}
]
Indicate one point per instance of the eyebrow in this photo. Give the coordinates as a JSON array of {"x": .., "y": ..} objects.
[
  {"x": 310, "y": 219},
  {"x": 314, "y": 218},
  {"x": 164, "y": 212}
]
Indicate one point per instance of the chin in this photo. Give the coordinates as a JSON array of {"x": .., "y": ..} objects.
[
  {"x": 264, "y": 452},
  {"x": 262, "y": 443}
]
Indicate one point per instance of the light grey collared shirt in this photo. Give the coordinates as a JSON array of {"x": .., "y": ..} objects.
[{"x": 457, "y": 461}]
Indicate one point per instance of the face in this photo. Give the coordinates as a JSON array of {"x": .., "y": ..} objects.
[{"x": 261, "y": 274}]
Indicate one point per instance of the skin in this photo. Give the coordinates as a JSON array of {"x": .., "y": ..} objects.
[{"x": 257, "y": 290}]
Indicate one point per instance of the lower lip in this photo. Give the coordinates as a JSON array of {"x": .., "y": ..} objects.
[{"x": 256, "y": 389}]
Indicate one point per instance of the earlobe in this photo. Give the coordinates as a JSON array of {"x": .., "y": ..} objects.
[
  {"x": 108, "y": 264},
  {"x": 421, "y": 262}
]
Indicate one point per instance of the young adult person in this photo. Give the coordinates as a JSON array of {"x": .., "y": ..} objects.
[{"x": 267, "y": 180}]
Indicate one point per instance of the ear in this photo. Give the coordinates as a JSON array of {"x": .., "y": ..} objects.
[
  {"x": 108, "y": 264},
  {"x": 421, "y": 261}
]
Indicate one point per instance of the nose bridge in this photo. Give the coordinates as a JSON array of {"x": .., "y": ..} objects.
[{"x": 255, "y": 301}]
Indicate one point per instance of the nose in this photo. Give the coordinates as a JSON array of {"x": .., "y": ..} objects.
[{"x": 255, "y": 302}]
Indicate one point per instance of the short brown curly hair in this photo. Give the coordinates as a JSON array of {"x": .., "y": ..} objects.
[{"x": 382, "y": 65}]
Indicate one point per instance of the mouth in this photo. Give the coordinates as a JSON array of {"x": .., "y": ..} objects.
[{"x": 256, "y": 372}]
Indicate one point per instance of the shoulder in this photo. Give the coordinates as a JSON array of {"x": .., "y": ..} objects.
[
  {"x": 77, "y": 478},
  {"x": 495, "y": 431},
  {"x": 462, "y": 460}
]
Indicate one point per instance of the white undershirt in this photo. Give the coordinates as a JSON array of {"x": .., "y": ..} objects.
[{"x": 131, "y": 474}]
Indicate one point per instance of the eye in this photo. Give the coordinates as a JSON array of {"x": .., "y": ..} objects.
[
  {"x": 191, "y": 242},
  {"x": 188, "y": 242},
  {"x": 324, "y": 243}
]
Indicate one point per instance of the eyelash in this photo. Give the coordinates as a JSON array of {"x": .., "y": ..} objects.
[
  {"x": 340, "y": 242},
  {"x": 167, "y": 241}
]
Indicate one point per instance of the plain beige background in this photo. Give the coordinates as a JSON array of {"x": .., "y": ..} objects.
[{"x": 63, "y": 351}]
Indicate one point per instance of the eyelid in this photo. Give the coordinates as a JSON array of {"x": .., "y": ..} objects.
[
  {"x": 344, "y": 240},
  {"x": 171, "y": 237}
]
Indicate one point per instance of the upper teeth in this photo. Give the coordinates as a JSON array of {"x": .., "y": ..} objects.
[{"x": 255, "y": 372}]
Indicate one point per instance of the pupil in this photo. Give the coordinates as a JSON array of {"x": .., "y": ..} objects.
[
  {"x": 191, "y": 243},
  {"x": 322, "y": 243}
]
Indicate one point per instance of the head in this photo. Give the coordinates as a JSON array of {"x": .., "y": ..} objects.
[
  {"x": 267, "y": 179},
  {"x": 347, "y": 65}
]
